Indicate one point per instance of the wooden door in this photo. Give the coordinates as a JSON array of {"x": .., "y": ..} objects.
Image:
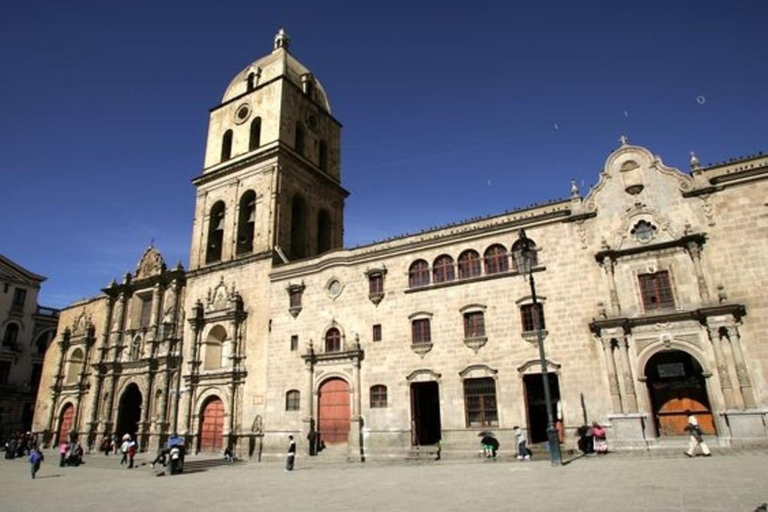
[
  {"x": 66, "y": 423},
  {"x": 333, "y": 411},
  {"x": 671, "y": 415},
  {"x": 212, "y": 426}
]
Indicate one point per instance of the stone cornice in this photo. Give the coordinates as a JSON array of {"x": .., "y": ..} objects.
[
  {"x": 697, "y": 238},
  {"x": 700, "y": 315}
]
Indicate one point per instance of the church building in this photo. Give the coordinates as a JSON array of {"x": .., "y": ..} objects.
[{"x": 649, "y": 303}]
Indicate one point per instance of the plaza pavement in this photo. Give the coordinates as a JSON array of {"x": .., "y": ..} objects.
[{"x": 732, "y": 482}]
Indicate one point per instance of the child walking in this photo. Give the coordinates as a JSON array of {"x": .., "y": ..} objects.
[
  {"x": 35, "y": 458},
  {"x": 522, "y": 442}
]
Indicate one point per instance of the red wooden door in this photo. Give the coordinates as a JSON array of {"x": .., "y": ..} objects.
[
  {"x": 212, "y": 426},
  {"x": 65, "y": 424},
  {"x": 671, "y": 415},
  {"x": 333, "y": 411}
]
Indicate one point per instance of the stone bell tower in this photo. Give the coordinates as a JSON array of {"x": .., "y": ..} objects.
[{"x": 271, "y": 177}]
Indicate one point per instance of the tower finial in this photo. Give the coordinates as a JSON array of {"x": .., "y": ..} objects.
[
  {"x": 694, "y": 161},
  {"x": 624, "y": 140},
  {"x": 575, "y": 189},
  {"x": 282, "y": 40}
]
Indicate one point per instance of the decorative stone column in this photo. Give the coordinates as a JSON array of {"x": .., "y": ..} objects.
[
  {"x": 694, "y": 250},
  {"x": 741, "y": 368},
  {"x": 629, "y": 383},
  {"x": 59, "y": 378},
  {"x": 613, "y": 380},
  {"x": 154, "y": 319},
  {"x": 722, "y": 368},
  {"x": 609, "y": 265}
]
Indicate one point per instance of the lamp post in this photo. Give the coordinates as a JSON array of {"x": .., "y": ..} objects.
[{"x": 525, "y": 257}]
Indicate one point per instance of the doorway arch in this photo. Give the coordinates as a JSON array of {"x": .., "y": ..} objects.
[
  {"x": 129, "y": 411},
  {"x": 333, "y": 411},
  {"x": 66, "y": 422},
  {"x": 676, "y": 383},
  {"x": 212, "y": 425}
]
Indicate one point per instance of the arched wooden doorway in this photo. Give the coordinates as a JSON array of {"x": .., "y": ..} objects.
[
  {"x": 333, "y": 411},
  {"x": 676, "y": 384},
  {"x": 66, "y": 422},
  {"x": 129, "y": 412},
  {"x": 212, "y": 426}
]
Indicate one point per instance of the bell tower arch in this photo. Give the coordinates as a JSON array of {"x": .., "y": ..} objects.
[{"x": 271, "y": 139}]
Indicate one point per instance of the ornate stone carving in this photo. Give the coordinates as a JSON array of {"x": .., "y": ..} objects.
[
  {"x": 725, "y": 378},
  {"x": 421, "y": 348},
  {"x": 150, "y": 264},
  {"x": 709, "y": 211},
  {"x": 476, "y": 343},
  {"x": 581, "y": 233}
]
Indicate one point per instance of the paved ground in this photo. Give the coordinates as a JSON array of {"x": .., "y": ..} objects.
[{"x": 735, "y": 482}]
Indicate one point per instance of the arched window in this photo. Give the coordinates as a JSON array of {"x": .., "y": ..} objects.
[
  {"x": 496, "y": 259},
  {"x": 251, "y": 81},
  {"x": 299, "y": 146},
  {"x": 418, "y": 274},
  {"x": 378, "y": 396},
  {"x": 323, "y": 231},
  {"x": 246, "y": 223},
  {"x": 11, "y": 335},
  {"x": 298, "y": 227},
  {"x": 323, "y": 155},
  {"x": 213, "y": 348},
  {"x": 534, "y": 254},
  {"x": 215, "y": 232},
  {"x": 254, "y": 140},
  {"x": 75, "y": 367},
  {"x": 333, "y": 340},
  {"x": 469, "y": 264},
  {"x": 292, "y": 400},
  {"x": 226, "y": 146},
  {"x": 443, "y": 269}
]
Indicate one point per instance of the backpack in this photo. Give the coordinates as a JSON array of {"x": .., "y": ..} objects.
[{"x": 35, "y": 457}]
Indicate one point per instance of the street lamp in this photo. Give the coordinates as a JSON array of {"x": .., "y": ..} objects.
[{"x": 525, "y": 257}]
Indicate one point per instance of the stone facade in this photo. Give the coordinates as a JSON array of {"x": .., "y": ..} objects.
[
  {"x": 27, "y": 330},
  {"x": 650, "y": 286}
]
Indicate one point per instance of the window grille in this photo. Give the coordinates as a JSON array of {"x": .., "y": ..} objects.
[
  {"x": 443, "y": 269},
  {"x": 377, "y": 332},
  {"x": 421, "y": 331},
  {"x": 469, "y": 265},
  {"x": 656, "y": 291},
  {"x": 333, "y": 340},
  {"x": 496, "y": 260},
  {"x": 375, "y": 284},
  {"x": 292, "y": 400},
  {"x": 474, "y": 324},
  {"x": 480, "y": 402},
  {"x": 530, "y": 316},
  {"x": 418, "y": 274},
  {"x": 378, "y": 396}
]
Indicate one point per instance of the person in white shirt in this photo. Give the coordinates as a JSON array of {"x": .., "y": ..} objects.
[{"x": 695, "y": 436}]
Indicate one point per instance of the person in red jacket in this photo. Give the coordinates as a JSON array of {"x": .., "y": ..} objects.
[{"x": 131, "y": 453}]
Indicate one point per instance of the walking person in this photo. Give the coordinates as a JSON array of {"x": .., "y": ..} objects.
[
  {"x": 291, "y": 455},
  {"x": 695, "y": 436},
  {"x": 35, "y": 458},
  {"x": 522, "y": 444},
  {"x": 124, "y": 449},
  {"x": 131, "y": 453},
  {"x": 63, "y": 449}
]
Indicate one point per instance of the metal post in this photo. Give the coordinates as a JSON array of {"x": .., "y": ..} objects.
[{"x": 554, "y": 442}]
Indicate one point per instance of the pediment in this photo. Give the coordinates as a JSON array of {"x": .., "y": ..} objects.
[
  {"x": 633, "y": 174},
  {"x": 150, "y": 264}
]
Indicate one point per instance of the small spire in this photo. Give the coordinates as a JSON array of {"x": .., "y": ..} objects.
[
  {"x": 694, "y": 161},
  {"x": 574, "y": 189},
  {"x": 623, "y": 140},
  {"x": 282, "y": 40}
]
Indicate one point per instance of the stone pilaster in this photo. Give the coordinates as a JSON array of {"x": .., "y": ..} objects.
[
  {"x": 629, "y": 383},
  {"x": 694, "y": 249},
  {"x": 722, "y": 368},
  {"x": 613, "y": 381},
  {"x": 609, "y": 266},
  {"x": 742, "y": 373}
]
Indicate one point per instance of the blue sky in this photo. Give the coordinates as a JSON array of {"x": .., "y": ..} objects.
[{"x": 450, "y": 111}]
